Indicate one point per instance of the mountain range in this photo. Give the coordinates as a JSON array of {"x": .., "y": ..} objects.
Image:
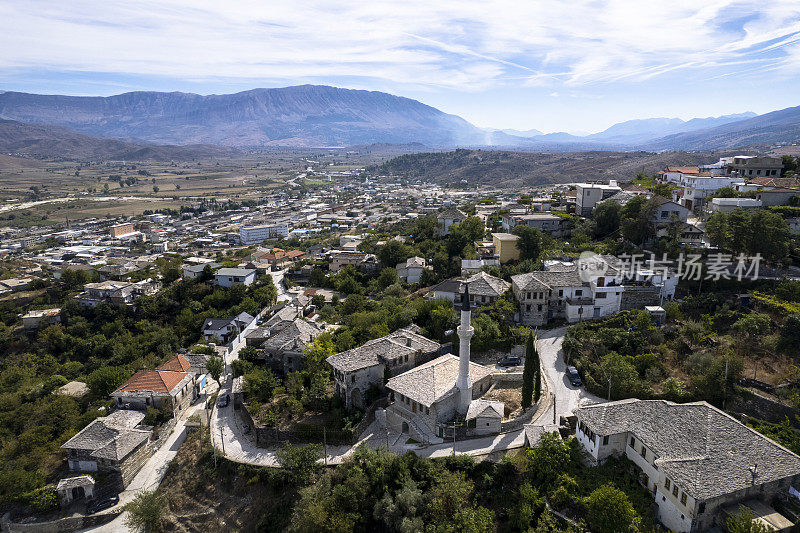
[{"x": 322, "y": 116}]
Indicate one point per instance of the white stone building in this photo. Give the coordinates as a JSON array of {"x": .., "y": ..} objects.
[
  {"x": 693, "y": 458},
  {"x": 429, "y": 398}
]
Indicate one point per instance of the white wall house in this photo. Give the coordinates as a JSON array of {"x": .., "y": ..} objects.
[
  {"x": 694, "y": 459},
  {"x": 228, "y": 277}
]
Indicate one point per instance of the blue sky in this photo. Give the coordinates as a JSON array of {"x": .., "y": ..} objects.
[{"x": 576, "y": 65}]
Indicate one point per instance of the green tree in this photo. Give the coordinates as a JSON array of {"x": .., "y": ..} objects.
[
  {"x": 529, "y": 372},
  {"x": 315, "y": 354},
  {"x": 529, "y": 242},
  {"x": 606, "y": 217},
  {"x": 610, "y": 511},
  {"x": 106, "y": 380},
  {"x": 300, "y": 461},
  {"x": 215, "y": 366},
  {"x": 744, "y": 522},
  {"x": 393, "y": 252},
  {"x": 146, "y": 511}
]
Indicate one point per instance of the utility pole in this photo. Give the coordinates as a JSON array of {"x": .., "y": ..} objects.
[
  {"x": 387, "y": 438},
  {"x": 554, "y": 408},
  {"x": 222, "y": 438},
  {"x": 609, "y": 388},
  {"x": 454, "y": 439},
  {"x": 325, "y": 444}
]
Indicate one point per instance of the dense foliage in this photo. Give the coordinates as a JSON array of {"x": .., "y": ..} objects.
[{"x": 101, "y": 346}]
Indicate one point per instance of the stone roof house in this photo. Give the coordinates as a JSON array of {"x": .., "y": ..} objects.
[
  {"x": 447, "y": 218},
  {"x": 359, "y": 369},
  {"x": 426, "y": 397},
  {"x": 483, "y": 289},
  {"x": 694, "y": 458},
  {"x": 113, "y": 444}
]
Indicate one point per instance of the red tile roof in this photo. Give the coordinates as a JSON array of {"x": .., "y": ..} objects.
[
  {"x": 176, "y": 364},
  {"x": 160, "y": 381}
]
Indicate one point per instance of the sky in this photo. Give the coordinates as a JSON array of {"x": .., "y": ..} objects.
[{"x": 552, "y": 65}]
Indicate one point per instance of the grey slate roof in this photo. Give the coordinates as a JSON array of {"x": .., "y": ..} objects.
[
  {"x": 534, "y": 432},
  {"x": 111, "y": 437},
  {"x": 706, "y": 452},
  {"x": 434, "y": 380},
  {"x": 295, "y": 336},
  {"x": 377, "y": 351},
  {"x": 486, "y": 409},
  {"x": 480, "y": 284},
  {"x": 451, "y": 214}
]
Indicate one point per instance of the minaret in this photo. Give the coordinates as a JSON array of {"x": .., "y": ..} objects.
[{"x": 465, "y": 332}]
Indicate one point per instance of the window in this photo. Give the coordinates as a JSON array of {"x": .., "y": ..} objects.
[
  {"x": 633, "y": 441},
  {"x": 664, "y": 214},
  {"x": 605, "y": 440},
  {"x": 683, "y": 499},
  {"x": 414, "y": 406},
  {"x": 528, "y": 307},
  {"x": 539, "y": 307},
  {"x": 600, "y": 295},
  {"x": 560, "y": 293},
  {"x": 644, "y": 452},
  {"x": 702, "y": 508},
  {"x": 667, "y": 483},
  {"x": 579, "y": 292},
  {"x": 675, "y": 490}
]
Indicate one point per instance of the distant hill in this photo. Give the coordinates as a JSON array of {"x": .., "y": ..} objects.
[
  {"x": 47, "y": 141},
  {"x": 497, "y": 167},
  {"x": 306, "y": 115},
  {"x": 776, "y": 127}
]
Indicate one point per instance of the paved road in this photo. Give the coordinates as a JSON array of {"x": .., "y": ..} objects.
[{"x": 567, "y": 397}]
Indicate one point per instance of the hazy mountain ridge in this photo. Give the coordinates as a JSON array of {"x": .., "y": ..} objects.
[
  {"x": 307, "y": 115},
  {"x": 319, "y": 116},
  {"x": 781, "y": 126}
]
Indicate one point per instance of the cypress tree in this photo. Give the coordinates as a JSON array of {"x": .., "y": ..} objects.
[{"x": 528, "y": 373}]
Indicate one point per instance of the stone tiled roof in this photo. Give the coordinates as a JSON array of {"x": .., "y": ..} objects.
[
  {"x": 701, "y": 449},
  {"x": 111, "y": 437},
  {"x": 377, "y": 351},
  {"x": 451, "y": 214},
  {"x": 69, "y": 483},
  {"x": 560, "y": 275},
  {"x": 480, "y": 284},
  {"x": 295, "y": 336},
  {"x": 485, "y": 408},
  {"x": 534, "y": 432},
  {"x": 434, "y": 380}
]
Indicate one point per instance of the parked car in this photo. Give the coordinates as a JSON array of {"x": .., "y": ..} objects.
[
  {"x": 573, "y": 376},
  {"x": 223, "y": 400},
  {"x": 509, "y": 360},
  {"x": 102, "y": 504}
]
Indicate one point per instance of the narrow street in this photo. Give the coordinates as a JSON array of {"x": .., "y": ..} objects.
[{"x": 567, "y": 396}]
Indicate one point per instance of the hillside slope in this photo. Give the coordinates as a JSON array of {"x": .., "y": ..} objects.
[
  {"x": 47, "y": 141},
  {"x": 494, "y": 167},
  {"x": 307, "y": 115}
]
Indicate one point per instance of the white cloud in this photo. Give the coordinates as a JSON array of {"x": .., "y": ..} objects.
[{"x": 468, "y": 45}]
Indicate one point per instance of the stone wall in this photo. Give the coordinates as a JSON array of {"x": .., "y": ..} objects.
[
  {"x": 73, "y": 523},
  {"x": 758, "y": 406}
]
